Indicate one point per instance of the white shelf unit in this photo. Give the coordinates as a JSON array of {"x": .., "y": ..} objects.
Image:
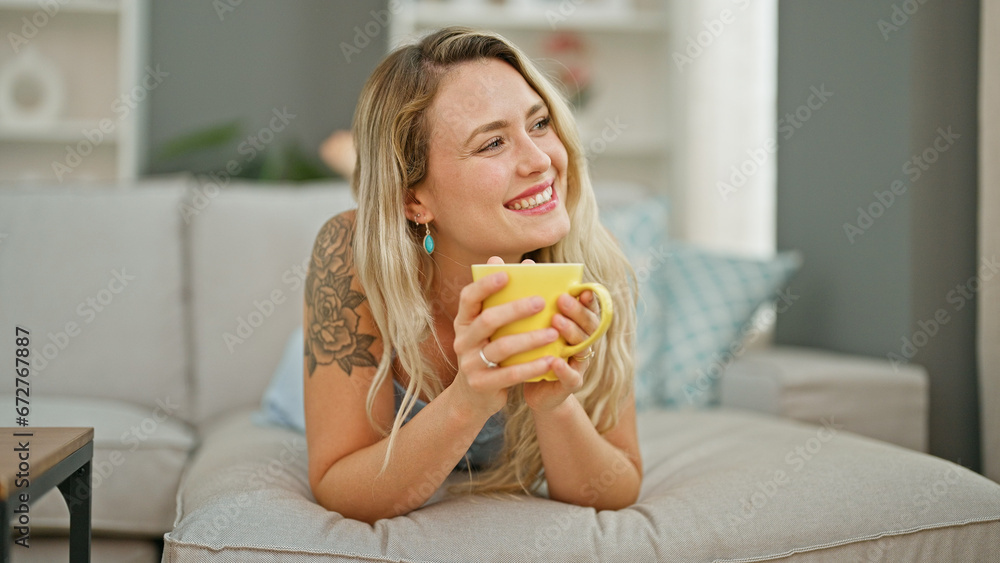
[
  {"x": 626, "y": 123},
  {"x": 98, "y": 51}
]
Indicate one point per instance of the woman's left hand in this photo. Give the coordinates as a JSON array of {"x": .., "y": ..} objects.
[{"x": 577, "y": 319}]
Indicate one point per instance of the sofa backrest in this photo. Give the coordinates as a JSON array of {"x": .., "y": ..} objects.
[
  {"x": 96, "y": 276},
  {"x": 249, "y": 248}
]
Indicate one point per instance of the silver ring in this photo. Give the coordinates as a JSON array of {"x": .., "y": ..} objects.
[
  {"x": 488, "y": 363},
  {"x": 587, "y": 356}
]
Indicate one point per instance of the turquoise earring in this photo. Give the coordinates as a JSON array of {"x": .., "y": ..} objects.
[{"x": 428, "y": 239}]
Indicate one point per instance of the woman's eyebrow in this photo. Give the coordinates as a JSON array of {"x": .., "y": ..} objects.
[{"x": 501, "y": 123}]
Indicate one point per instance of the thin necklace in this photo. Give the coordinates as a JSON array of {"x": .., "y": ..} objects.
[{"x": 452, "y": 259}]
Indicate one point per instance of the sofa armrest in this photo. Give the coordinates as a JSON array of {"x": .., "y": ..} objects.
[{"x": 866, "y": 396}]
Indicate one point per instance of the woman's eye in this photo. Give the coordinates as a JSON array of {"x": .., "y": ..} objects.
[
  {"x": 492, "y": 145},
  {"x": 543, "y": 123}
]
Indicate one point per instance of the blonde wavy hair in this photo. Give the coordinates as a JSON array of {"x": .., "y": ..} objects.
[{"x": 391, "y": 133}]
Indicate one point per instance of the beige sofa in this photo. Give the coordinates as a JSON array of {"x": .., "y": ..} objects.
[{"x": 159, "y": 311}]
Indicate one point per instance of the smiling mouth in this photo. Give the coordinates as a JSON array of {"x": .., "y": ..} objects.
[{"x": 534, "y": 201}]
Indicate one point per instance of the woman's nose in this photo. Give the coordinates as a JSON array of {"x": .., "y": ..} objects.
[{"x": 533, "y": 159}]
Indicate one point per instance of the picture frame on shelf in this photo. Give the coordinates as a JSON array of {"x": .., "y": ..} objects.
[
  {"x": 32, "y": 90},
  {"x": 69, "y": 66}
]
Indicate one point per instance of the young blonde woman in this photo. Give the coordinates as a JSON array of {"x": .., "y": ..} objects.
[{"x": 465, "y": 154}]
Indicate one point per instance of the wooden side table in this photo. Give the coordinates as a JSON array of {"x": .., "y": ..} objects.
[{"x": 32, "y": 461}]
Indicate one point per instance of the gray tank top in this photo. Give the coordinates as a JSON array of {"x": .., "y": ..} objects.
[{"x": 484, "y": 448}]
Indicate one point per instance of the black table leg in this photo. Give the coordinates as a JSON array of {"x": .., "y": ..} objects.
[
  {"x": 5, "y": 540},
  {"x": 76, "y": 491}
]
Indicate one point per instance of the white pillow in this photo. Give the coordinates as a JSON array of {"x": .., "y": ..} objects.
[{"x": 282, "y": 404}]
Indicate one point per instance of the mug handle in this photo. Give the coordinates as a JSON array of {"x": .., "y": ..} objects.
[{"x": 604, "y": 298}]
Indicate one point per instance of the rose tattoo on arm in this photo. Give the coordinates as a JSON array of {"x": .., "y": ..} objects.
[{"x": 332, "y": 306}]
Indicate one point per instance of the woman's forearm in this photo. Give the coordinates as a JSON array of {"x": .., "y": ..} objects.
[
  {"x": 425, "y": 451},
  {"x": 581, "y": 466}
]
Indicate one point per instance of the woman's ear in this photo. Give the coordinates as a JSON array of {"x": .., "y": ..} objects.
[{"x": 416, "y": 211}]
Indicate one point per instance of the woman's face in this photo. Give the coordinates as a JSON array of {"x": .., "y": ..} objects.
[{"x": 496, "y": 169}]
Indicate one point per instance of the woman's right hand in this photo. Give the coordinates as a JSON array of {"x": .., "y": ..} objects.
[{"x": 484, "y": 387}]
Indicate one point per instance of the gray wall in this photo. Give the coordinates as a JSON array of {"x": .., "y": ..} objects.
[
  {"x": 241, "y": 64},
  {"x": 896, "y": 77}
]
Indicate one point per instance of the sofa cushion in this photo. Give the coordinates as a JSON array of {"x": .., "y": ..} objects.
[
  {"x": 719, "y": 486},
  {"x": 96, "y": 275},
  {"x": 250, "y": 249},
  {"x": 139, "y": 456},
  {"x": 869, "y": 396}
]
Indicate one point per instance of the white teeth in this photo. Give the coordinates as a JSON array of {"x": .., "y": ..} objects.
[{"x": 533, "y": 201}]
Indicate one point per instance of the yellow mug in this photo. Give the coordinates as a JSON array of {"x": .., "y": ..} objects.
[{"x": 548, "y": 281}]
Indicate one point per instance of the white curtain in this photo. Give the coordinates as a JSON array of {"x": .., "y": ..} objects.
[
  {"x": 989, "y": 236},
  {"x": 725, "y": 53}
]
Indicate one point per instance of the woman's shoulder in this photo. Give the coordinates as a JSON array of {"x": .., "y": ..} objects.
[
  {"x": 333, "y": 253},
  {"x": 341, "y": 222},
  {"x": 332, "y": 269},
  {"x": 338, "y": 321}
]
